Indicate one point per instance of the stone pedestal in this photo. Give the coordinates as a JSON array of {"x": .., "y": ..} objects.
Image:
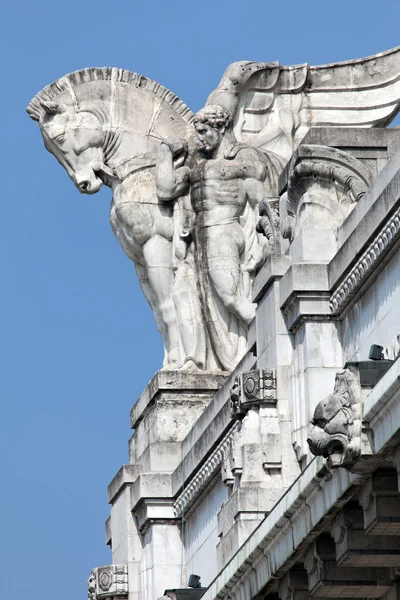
[
  {"x": 143, "y": 531},
  {"x": 164, "y": 414}
]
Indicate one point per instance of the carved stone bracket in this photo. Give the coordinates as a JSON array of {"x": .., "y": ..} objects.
[
  {"x": 108, "y": 582},
  {"x": 337, "y": 426},
  {"x": 252, "y": 388}
]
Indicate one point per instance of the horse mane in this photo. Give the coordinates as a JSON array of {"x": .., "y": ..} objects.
[{"x": 64, "y": 84}]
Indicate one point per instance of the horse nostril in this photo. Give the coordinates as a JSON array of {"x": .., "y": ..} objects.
[{"x": 84, "y": 186}]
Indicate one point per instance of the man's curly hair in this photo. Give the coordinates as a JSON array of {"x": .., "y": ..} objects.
[{"x": 214, "y": 115}]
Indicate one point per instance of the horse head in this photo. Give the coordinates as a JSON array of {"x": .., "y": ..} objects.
[
  {"x": 76, "y": 139},
  {"x": 103, "y": 123}
]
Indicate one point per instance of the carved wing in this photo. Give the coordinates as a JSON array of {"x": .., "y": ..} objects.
[{"x": 274, "y": 106}]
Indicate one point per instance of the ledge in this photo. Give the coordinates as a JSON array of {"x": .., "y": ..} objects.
[
  {"x": 151, "y": 485},
  {"x": 304, "y": 277},
  {"x": 275, "y": 266},
  {"x": 382, "y": 409},
  {"x": 349, "y": 139},
  {"x": 125, "y": 476},
  {"x": 290, "y": 522},
  {"x": 208, "y": 430},
  {"x": 363, "y": 253}
]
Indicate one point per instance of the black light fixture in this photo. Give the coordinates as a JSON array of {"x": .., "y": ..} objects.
[
  {"x": 376, "y": 352},
  {"x": 194, "y": 581}
]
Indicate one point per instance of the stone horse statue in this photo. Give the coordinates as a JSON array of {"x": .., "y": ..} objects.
[{"x": 104, "y": 126}]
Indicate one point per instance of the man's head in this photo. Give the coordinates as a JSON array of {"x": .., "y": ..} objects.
[{"x": 211, "y": 123}]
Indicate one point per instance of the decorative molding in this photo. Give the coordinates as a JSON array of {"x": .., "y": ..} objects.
[
  {"x": 252, "y": 388},
  {"x": 108, "y": 582},
  {"x": 364, "y": 266},
  {"x": 197, "y": 484},
  {"x": 324, "y": 184}
]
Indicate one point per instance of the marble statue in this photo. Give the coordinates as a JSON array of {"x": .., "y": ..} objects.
[
  {"x": 225, "y": 181},
  {"x": 186, "y": 188}
]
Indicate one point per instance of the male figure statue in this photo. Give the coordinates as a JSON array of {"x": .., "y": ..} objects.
[{"x": 226, "y": 181}]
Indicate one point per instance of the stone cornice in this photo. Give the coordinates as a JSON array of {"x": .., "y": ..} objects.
[
  {"x": 291, "y": 523},
  {"x": 197, "y": 484},
  {"x": 366, "y": 264}
]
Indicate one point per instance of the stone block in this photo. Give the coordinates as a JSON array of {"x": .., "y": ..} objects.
[
  {"x": 166, "y": 411},
  {"x": 294, "y": 585},
  {"x": 380, "y": 500},
  {"x": 354, "y": 548},
  {"x": 179, "y": 382},
  {"x": 125, "y": 476},
  {"x": 307, "y": 277},
  {"x": 274, "y": 268},
  {"x": 314, "y": 245},
  {"x": 327, "y": 580},
  {"x": 161, "y": 457},
  {"x": 150, "y": 485}
]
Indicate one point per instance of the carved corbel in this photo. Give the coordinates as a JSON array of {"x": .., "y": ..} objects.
[
  {"x": 256, "y": 448},
  {"x": 108, "y": 582},
  {"x": 252, "y": 388},
  {"x": 323, "y": 187},
  {"x": 337, "y": 426}
]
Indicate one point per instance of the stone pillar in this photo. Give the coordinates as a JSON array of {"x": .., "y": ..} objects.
[
  {"x": 274, "y": 351},
  {"x": 317, "y": 351}
]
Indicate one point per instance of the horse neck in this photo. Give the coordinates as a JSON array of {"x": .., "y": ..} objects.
[
  {"x": 125, "y": 152},
  {"x": 112, "y": 137}
]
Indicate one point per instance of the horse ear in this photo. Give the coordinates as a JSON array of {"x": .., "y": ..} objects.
[{"x": 51, "y": 108}]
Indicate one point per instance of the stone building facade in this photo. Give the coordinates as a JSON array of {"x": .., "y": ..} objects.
[
  {"x": 221, "y": 481},
  {"x": 280, "y": 478}
]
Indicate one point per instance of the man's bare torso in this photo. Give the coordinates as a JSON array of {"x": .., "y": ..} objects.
[{"x": 218, "y": 192}]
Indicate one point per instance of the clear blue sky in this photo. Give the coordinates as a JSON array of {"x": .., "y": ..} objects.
[{"x": 78, "y": 343}]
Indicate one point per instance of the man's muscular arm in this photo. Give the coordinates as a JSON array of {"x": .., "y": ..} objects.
[
  {"x": 172, "y": 178},
  {"x": 256, "y": 183}
]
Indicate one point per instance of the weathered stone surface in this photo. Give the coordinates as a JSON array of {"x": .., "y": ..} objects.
[
  {"x": 336, "y": 434},
  {"x": 324, "y": 185},
  {"x": 355, "y": 548},
  {"x": 108, "y": 582},
  {"x": 380, "y": 499},
  {"x": 326, "y": 579}
]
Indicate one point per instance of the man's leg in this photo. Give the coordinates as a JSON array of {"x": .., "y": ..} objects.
[
  {"x": 224, "y": 245},
  {"x": 157, "y": 254}
]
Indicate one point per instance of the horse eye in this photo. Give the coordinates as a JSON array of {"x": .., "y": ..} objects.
[{"x": 60, "y": 139}]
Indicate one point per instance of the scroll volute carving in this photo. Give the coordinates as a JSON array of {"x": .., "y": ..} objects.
[
  {"x": 337, "y": 426},
  {"x": 269, "y": 224},
  {"x": 323, "y": 187}
]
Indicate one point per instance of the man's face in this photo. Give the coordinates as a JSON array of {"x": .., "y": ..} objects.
[{"x": 208, "y": 136}]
